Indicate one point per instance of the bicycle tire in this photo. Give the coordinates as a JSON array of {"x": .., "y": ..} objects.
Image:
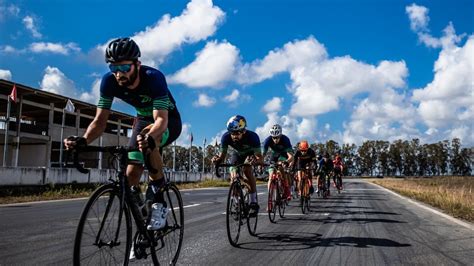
[
  {"x": 282, "y": 202},
  {"x": 105, "y": 204},
  {"x": 234, "y": 213},
  {"x": 170, "y": 239},
  {"x": 272, "y": 203},
  {"x": 252, "y": 221}
]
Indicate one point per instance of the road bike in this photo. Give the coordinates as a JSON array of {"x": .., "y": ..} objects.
[
  {"x": 337, "y": 176},
  {"x": 323, "y": 185},
  {"x": 276, "y": 193},
  {"x": 104, "y": 232},
  {"x": 305, "y": 195},
  {"x": 238, "y": 206}
]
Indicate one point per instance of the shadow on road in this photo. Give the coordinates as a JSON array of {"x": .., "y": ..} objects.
[
  {"x": 328, "y": 220},
  {"x": 298, "y": 241}
]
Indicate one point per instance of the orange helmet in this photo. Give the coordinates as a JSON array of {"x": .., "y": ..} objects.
[{"x": 303, "y": 146}]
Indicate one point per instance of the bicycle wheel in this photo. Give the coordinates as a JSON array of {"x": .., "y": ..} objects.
[
  {"x": 234, "y": 213},
  {"x": 304, "y": 195},
  {"x": 272, "y": 201},
  {"x": 104, "y": 232},
  {"x": 170, "y": 238},
  {"x": 282, "y": 202},
  {"x": 251, "y": 219}
]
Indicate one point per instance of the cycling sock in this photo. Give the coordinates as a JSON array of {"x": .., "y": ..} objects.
[
  {"x": 253, "y": 197},
  {"x": 154, "y": 192}
]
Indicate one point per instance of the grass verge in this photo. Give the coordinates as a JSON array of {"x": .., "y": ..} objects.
[{"x": 452, "y": 194}]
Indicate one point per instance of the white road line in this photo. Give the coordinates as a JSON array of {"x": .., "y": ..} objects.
[
  {"x": 452, "y": 219},
  {"x": 189, "y": 206},
  {"x": 362, "y": 189}
]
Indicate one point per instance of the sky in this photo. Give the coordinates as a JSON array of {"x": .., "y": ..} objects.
[{"x": 349, "y": 71}]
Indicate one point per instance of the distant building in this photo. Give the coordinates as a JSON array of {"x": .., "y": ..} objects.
[{"x": 35, "y": 125}]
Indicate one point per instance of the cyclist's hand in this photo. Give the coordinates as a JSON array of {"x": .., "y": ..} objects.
[
  {"x": 252, "y": 160},
  {"x": 216, "y": 159},
  {"x": 72, "y": 142},
  {"x": 145, "y": 142}
]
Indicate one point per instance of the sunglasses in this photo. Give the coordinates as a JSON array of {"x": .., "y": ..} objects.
[
  {"x": 122, "y": 68},
  {"x": 275, "y": 138},
  {"x": 236, "y": 133}
]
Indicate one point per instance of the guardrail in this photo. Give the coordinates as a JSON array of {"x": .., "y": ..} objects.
[{"x": 41, "y": 176}]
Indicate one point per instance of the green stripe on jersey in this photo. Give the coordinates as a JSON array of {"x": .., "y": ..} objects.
[{"x": 104, "y": 103}]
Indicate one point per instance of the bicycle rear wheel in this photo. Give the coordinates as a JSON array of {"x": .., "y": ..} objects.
[
  {"x": 272, "y": 202},
  {"x": 104, "y": 232},
  {"x": 235, "y": 207},
  {"x": 170, "y": 238}
]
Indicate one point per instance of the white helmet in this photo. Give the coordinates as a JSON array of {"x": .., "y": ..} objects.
[{"x": 275, "y": 131}]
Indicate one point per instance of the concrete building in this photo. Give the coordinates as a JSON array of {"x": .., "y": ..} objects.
[{"x": 35, "y": 127}]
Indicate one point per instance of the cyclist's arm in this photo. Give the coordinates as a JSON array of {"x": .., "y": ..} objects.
[
  {"x": 160, "y": 124},
  {"x": 97, "y": 126}
]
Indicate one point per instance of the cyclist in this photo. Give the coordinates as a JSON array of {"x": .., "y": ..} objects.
[
  {"x": 282, "y": 152},
  {"x": 158, "y": 122},
  {"x": 325, "y": 169},
  {"x": 246, "y": 144},
  {"x": 305, "y": 157},
  {"x": 338, "y": 169}
]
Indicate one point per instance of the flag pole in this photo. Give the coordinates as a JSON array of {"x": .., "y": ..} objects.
[
  {"x": 174, "y": 156},
  {"x": 203, "y": 154},
  {"x": 190, "y": 151},
  {"x": 5, "y": 143},
  {"x": 61, "y": 141}
]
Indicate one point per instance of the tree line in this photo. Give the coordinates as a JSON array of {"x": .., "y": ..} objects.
[{"x": 372, "y": 158}]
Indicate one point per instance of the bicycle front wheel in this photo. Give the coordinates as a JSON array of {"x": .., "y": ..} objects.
[
  {"x": 234, "y": 211},
  {"x": 282, "y": 202},
  {"x": 104, "y": 232},
  {"x": 170, "y": 238},
  {"x": 252, "y": 217},
  {"x": 272, "y": 202}
]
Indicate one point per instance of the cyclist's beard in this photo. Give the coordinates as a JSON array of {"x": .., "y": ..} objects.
[{"x": 125, "y": 82}]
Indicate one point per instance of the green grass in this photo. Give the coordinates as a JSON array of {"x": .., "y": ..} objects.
[{"x": 452, "y": 194}]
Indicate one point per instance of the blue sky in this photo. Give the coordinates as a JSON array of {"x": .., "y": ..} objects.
[{"x": 342, "y": 70}]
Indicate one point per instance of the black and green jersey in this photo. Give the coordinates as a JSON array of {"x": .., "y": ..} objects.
[{"x": 151, "y": 94}]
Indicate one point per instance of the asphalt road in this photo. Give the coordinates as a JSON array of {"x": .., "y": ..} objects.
[{"x": 364, "y": 225}]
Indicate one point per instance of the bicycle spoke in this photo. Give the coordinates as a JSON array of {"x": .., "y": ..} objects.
[
  {"x": 171, "y": 236},
  {"x": 234, "y": 213},
  {"x": 95, "y": 241}
]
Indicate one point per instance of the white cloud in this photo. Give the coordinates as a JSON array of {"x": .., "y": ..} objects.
[
  {"x": 234, "y": 96},
  {"x": 30, "y": 24},
  {"x": 292, "y": 55},
  {"x": 93, "y": 96},
  {"x": 273, "y": 105},
  {"x": 57, "y": 48},
  {"x": 197, "y": 22},
  {"x": 386, "y": 115},
  {"x": 184, "y": 138},
  {"x": 418, "y": 16},
  {"x": 56, "y": 82},
  {"x": 9, "y": 49},
  {"x": 5, "y": 74},
  {"x": 213, "y": 66},
  {"x": 204, "y": 101},
  {"x": 11, "y": 10},
  {"x": 448, "y": 101},
  {"x": 419, "y": 19},
  {"x": 318, "y": 88}
]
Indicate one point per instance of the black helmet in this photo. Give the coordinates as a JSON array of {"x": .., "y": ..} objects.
[{"x": 122, "y": 49}]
